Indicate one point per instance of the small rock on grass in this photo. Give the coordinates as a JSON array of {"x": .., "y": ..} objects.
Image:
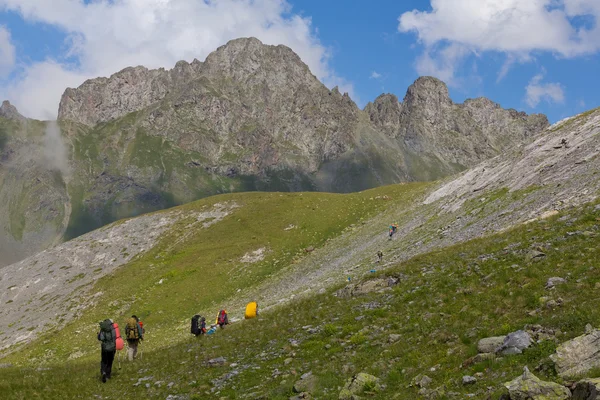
[{"x": 469, "y": 380}]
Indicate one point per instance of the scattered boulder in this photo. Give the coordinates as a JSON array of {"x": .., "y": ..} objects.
[
  {"x": 421, "y": 381},
  {"x": 515, "y": 343},
  {"x": 490, "y": 344},
  {"x": 530, "y": 387},
  {"x": 469, "y": 380},
  {"x": 578, "y": 356},
  {"x": 587, "y": 389},
  {"x": 359, "y": 384},
  {"x": 307, "y": 383},
  {"x": 217, "y": 362},
  {"x": 394, "y": 337},
  {"x": 554, "y": 281}
]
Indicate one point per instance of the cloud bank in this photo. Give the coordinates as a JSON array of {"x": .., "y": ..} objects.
[
  {"x": 517, "y": 28},
  {"x": 105, "y": 36}
]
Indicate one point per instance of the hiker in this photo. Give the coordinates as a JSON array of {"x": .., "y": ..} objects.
[
  {"x": 564, "y": 143},
  {"x": 379, "y": 256},
  {"x": 222, "y": 319},
  {"x": 108, "y": 338},
  {"x": 134, "y": 333},
  {"x": 393, "y": 229},
  {"x": 198, "y": 325}
]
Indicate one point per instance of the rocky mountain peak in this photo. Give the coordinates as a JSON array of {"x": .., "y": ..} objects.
[
  {"x": 385, "y": 112},
  {"x": 9, "y": 111},
  {"x": 427, "y": 91}
]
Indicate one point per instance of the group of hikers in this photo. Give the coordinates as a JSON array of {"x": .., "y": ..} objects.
[
  {"x": 199, "y": 323},
  {"x": 111, "y": 340}
]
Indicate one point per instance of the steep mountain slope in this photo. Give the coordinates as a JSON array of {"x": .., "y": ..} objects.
[
  {"x": 441, "y": 138},
  {"x": 252, "y": 117},
  {"x": 279, "y": 248},
  {"x": 35, "y": 205}
]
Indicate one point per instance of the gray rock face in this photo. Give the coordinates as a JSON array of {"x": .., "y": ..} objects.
[
  {"x": 515, "y": 343},
  {"x": 578, "y": 356},
  {"x": 530, "y": 387},
  {"x": 448, "y": 137},
  {"x": 9, "y": 111},
  {"x": 555, "y": 281}
]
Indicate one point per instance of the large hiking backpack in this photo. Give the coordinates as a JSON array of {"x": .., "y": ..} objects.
[
  {"x": 132, "y": 330},
  {"x": 195, "y": 329},
  {"x": 222, "y": 318},
  {"x": 107, "y": 335}
]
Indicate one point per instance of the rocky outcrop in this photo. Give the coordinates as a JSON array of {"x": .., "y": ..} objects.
[
  {"x": 530, "y": 387},
  {"x": 9, "y": 111},
  {"x": 578, "y": 356},
  {"x": 359, "y": 384},
  {"x": 445, "y": 137}
]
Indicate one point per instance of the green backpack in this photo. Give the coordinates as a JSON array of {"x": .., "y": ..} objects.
[{"x": 107, "y": 336}]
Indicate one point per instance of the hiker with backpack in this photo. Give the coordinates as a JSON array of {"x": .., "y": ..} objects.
[
  {"x": 379, "y": 256},
  {"x": 198, "y": 325},
  {"x": 108, "y": 337},
  {"x": 393, "y": 230},
  {"x": 134, "y": 333},
  {"x": 222, "y": 319}
]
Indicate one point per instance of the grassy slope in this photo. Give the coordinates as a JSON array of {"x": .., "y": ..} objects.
[
  {"x": 448, "y": 300},
  {"x": 200, "y": 268}
]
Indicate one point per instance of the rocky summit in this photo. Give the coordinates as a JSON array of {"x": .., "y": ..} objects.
[{"x": 250, "y": 117}]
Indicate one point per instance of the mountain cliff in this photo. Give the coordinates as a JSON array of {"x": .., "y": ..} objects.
[{"x": 250, "y": 117}]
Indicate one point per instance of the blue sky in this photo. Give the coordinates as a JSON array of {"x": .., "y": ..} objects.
[{"x": 536, "y": 56}]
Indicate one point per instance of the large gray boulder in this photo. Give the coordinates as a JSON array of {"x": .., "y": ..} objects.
[
  {"x": 530, "y": 387},
  {"x": 578, "y": 356},
  {"x": 515, "y": 343}
]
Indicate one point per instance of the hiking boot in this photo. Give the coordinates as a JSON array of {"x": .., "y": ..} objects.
[{"x": 103, "y": 378}]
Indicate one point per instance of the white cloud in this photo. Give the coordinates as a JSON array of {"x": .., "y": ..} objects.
[
  {"x": 441, "y": 63},
  {"x": 107, "y": 36},
  {"x": 375, "y": 75},
  {"x": 513, "y": 27},
  {"x": 7, "y": 52},
  {"x": 537, "y": 91}
]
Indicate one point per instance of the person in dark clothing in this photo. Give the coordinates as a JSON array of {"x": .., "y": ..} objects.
[
  {"x": 379, "y": 256},
  {"x": 107, "y": 337}
]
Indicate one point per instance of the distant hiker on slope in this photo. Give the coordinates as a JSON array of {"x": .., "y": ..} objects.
[
  {"x": 134, "y": 333},
  {"x": 108, "y": 337},
  {"x": 379, "y": 256},
  {"x": 222, "y": 319},
  {"x": 393, "y": 230}
]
